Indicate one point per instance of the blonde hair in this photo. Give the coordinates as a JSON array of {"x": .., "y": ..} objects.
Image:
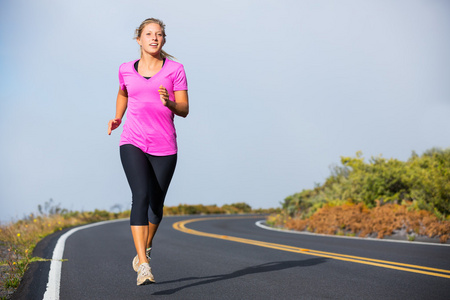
[{"x": 138, "y": 32}]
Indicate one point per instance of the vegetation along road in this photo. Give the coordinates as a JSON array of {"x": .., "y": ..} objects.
[{"x": 230, "y": 257}]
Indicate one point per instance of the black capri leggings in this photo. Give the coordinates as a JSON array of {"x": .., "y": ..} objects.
[{"x": 149, "y": 177}]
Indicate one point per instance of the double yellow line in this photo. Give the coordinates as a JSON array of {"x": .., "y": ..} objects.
[{"x": 181, "y": 226}]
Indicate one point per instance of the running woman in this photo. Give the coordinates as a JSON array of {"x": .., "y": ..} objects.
[{"x": 152, "y": 90}]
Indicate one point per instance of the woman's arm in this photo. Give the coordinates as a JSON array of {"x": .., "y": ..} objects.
[
  {"x": 121, "y": 107},
  {"x": 180, "y": 106}
]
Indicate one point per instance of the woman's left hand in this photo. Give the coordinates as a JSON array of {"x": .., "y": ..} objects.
[
  {"x": 163, "y": 95},
  {"x": 179, "y": 106}
]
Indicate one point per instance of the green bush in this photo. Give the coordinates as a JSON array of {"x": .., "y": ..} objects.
[{"x": 424, "y": 181}]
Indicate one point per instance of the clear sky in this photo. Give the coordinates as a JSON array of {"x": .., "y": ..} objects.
[{"x": 279, "y": 91}]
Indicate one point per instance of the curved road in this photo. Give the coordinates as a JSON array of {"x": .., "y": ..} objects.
[{"x": 233, "y": 258}]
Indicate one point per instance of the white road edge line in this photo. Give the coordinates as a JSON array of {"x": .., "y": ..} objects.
[
  {"x": 54, "y": 275},
  {"x": 263, "y": 226}
]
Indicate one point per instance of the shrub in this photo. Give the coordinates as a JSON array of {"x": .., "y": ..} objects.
[
  {"x": 423, "y": 180},
  {"x": 364, "y": 198}
]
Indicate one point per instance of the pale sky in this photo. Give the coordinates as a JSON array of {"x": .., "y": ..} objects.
[{"x": 279, "y": 91}]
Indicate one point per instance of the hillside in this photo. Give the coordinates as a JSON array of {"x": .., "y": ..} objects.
[{"x": 378, "y": 198}]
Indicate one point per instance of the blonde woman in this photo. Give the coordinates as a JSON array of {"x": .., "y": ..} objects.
[{"x": 152, "y": 90}]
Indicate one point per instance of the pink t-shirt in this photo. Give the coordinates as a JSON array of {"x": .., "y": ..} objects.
[{"x": 149, "y": 124}]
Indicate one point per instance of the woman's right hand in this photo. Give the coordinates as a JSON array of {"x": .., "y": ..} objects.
[{"x": 113, "y": 124}]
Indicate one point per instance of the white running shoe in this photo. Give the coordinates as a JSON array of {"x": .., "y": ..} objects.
[
  {"x": 136, "y": 259},
  {"x": 145, "y": 275}
]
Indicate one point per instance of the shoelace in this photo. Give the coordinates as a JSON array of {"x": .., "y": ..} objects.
[{"x": 144, "y": 271}]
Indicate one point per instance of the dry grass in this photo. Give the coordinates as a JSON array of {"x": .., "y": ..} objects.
[
  {"x": 357, "y": 220},
  {"x": 17, "y": 241}
]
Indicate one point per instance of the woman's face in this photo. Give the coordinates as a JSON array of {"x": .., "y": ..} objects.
[{"x": 152, "y": 39}]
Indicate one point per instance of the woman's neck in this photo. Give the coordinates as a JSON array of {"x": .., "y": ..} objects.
[
  {"x": 150, "y": 62},
  {"x": 150, "y": 65}
]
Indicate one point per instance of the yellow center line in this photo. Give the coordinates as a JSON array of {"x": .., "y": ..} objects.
[{"x": 357, "y": 259}]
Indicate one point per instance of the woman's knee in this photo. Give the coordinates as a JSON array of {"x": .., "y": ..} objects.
[
  {"x": 155, "y": 212},
  {"x": 139, "y": 208}
]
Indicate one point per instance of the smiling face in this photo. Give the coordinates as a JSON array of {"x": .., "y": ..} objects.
[{"x": 152, "y": 39}]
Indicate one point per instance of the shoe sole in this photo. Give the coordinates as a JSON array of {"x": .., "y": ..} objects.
[
  {"x": 147, "y": 281},
  {"x": 135, "y": 263}
]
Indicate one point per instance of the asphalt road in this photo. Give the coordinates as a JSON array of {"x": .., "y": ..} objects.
[{"x": 261, "y": 264}]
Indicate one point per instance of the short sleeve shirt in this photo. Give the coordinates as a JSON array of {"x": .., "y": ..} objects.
[{"x": 149, "y": 124}]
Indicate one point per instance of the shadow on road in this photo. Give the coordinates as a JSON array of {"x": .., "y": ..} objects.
[{"x": 268, "y": 267}]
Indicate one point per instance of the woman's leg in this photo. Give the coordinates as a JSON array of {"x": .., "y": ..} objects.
[
  {"x": 152, "y": 228},
  {"x": 140, "y": 237},
  {"x": 163, "y": 169},
  {"x": 139, "y": 173}
]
